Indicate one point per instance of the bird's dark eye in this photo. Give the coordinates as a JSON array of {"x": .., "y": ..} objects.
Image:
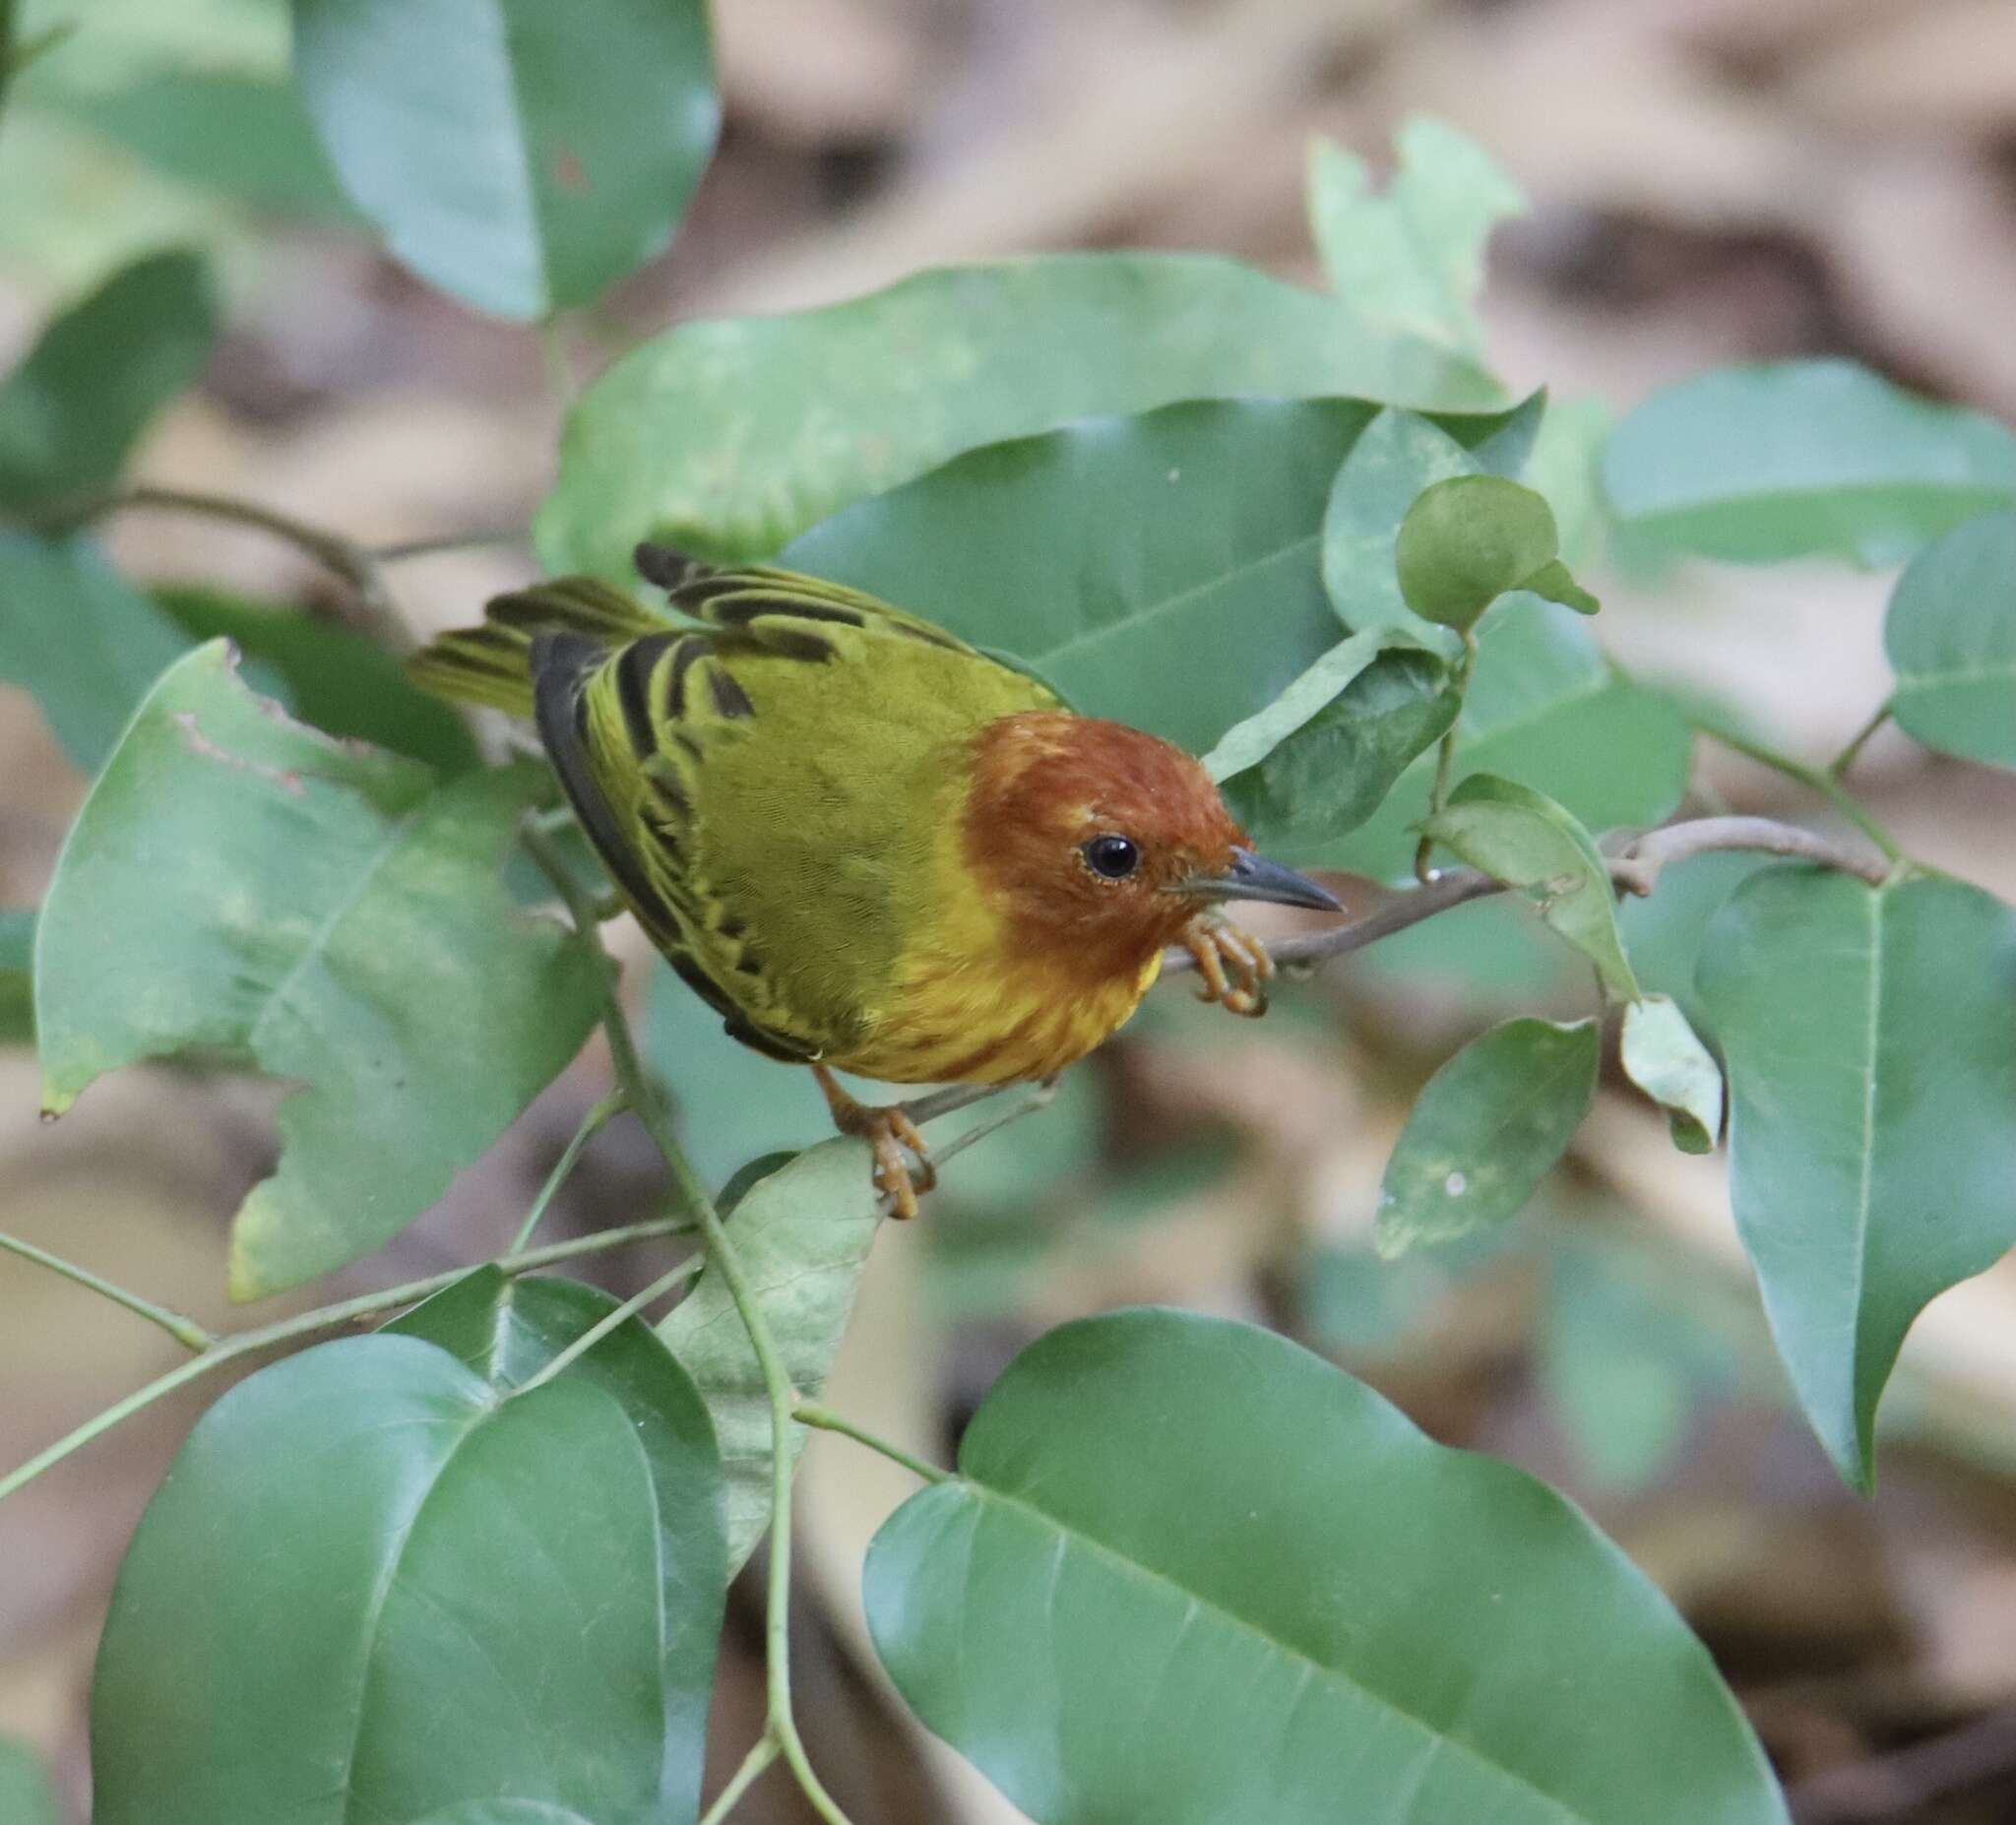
[{"x": 1114, "y": 858}]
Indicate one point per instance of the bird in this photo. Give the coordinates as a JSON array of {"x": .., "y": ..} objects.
[{"x": 867, "y": 845}]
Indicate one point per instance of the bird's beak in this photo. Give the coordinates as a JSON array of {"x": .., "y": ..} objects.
[{"x": 1254, "y": 877}]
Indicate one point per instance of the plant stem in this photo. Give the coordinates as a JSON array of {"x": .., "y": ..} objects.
[
  {"x": 1837, "y": 768},
  {"x": 825, "y": 1420},
  {"x": 761, "y": 1754},
  {"x": 185, "y": 1331},
  {"x": 592, "y": 1124},
  {"x": 601, "y": 1329},
  {"x": 1815, "y": 779},
  {"x": 237, "y": 1343},
  {"x": 1635, "y": 870},
  {"x": 377, "y": 613},
  {"x": 1445, "y": 755},
  {"x": 651, "y": 1108},
  {"x": 560, "y": 377},
  {"x": 407, "y": 548}
]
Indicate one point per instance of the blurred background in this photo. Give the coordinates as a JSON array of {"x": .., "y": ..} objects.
[{"x": 1711, "y": 180}]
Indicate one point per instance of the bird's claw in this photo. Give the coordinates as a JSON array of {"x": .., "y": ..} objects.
[
  {"x": 889, "y": 1131},
  {"x": 1233, "y": 964}
]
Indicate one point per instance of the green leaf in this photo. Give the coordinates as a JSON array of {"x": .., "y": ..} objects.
[
  {"x": 1400, "y": 456},
  {"x": 1487, "y": 1127},
  {"x": 342, "y": 682},
  {"x": 1871, "y": 1058},
  {"x": 1413, "y": 257},
  {"x": 1327, "y": 774},
  {"x": 803, "y": 1235},
  {"x": 1546, "y": 709},
  {"x": 1527, "y": 841},
  {"x": 1218, "y": 1579},
  {"x": 1951, "y": 637},
  {"x": 246, "y": 136},
  {"x": 1163, "y": 568},
  {"x": 506, "y": 1330},
  {"x": 1554, "y": 583},
  {"x": 1661, "y": 1054},
  {"x": 71, "y": 411},
  {"x": 438, "y": 1551},
  {"x": 80, "y": 640},
  {"x": 732, "y": 437},
  {"x": 238, "y": 881},
  {"x": 26, "y": 1798},
  {"x": 17, "y": 976},
  {"x": 1467, "y": 540},
  {"x": 1801, "y": 459},
  {"x": 522, "y": 157}
]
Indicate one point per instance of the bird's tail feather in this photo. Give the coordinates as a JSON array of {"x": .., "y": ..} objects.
[{"x": 492, "y": 664}]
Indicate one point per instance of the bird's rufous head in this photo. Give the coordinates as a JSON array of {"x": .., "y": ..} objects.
[{"x": 1095, "y": 837}]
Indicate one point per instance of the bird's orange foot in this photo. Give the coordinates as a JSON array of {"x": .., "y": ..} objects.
[
  {"x": 888, "y": 1131},
  {"x": 1235, "y": 965}
]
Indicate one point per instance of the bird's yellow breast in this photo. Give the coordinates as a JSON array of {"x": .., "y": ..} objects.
[{"x": 968, "y": 1003}]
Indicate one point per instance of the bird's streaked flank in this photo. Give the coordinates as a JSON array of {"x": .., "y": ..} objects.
[{"x": 866, "y": 844}]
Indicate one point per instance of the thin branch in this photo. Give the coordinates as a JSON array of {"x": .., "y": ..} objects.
[
  {"x": 1837, "y": 768},
  {"x": 642, "y": 1094},
  {"x": 592, "y": 1124},
  {"x": 357, "y": 565},
  {"x": 233, "y": 1344},
  {"x": 1635, "y": 870},
  {"x": 185, "y": 1331},
  {"x": 602, "y": 1326},
  {"x": 760, "y": 1756},
  {"x": 468, "y": 540},
  {"x": 1445, "y": 755},
  {"x": 1815, "y": 779},
  {"x": 825, "y": 1420}
]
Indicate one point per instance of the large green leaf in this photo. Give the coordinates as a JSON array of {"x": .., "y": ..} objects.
[
  {"x": 84, "y": 643},
  {"x": 1527, "y": 841},
  {"x": 72, "y": 409},
  {"x": 25, "y": 1796},
  {"x": 1217, "y": 1580},
  {"x": 733, "y": 437},
  {"x": 1413, "y": 257},
  {"x": 1800, "y": 458},
  {"x": 803, "y": 1235},
  {"x": 1951, "y": 637},
  {"x": 522, "y": 155},
  {"x": 1325, "y": 773},
  {"x": 1871, "y": 1035},
  {"x": 247, "y": 135},
  {"x": 1163, "y": 570},
  {"x": 1548, "y": 710},
  {"x": 342, "y": 682},
  {"x": 374, "y": 1585},
  {"x": 507, "y": 1330},
  {"x": 238, "y": 881},
  {"x": 1487, "y": 1128}
]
